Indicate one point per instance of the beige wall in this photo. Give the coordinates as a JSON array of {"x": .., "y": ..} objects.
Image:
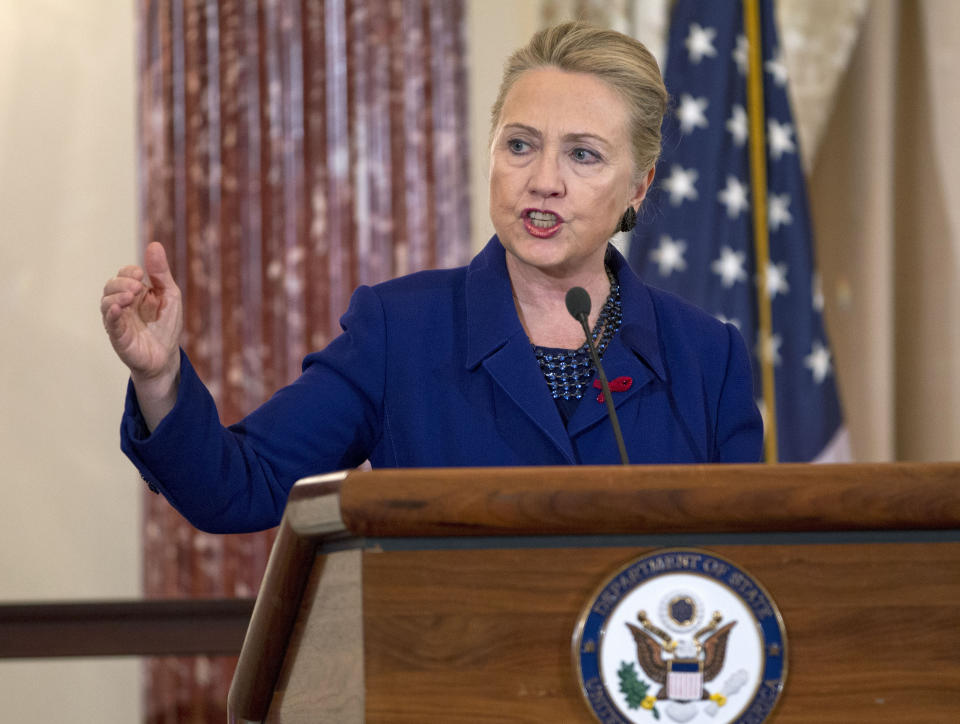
[
  {"x": 69, "y": 521},
  {"x": 495, "y": 28}
]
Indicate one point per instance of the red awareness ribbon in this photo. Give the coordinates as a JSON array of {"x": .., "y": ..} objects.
[{"x": 618, "y": 384}]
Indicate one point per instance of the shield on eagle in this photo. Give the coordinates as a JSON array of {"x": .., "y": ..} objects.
[{"x": 684, "y": 679}]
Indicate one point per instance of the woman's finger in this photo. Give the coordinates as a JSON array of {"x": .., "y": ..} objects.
[
  {"x": 114, "y": 322},
  {"x": 132, "y": 271},
  {"x": 122, "y": 284},
  {"x": 121, "y": 299}
]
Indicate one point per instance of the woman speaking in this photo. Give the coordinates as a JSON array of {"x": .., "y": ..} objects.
[{"x": 475, "y": 366}]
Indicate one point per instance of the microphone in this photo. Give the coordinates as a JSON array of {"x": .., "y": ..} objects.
[{"x": 578, "y": 304}]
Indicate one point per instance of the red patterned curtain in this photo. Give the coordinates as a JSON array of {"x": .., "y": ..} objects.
[{"x": 289, "y": 151}]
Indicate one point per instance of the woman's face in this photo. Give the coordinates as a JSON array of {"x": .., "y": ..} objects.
[{"x": 561, "y": 171}]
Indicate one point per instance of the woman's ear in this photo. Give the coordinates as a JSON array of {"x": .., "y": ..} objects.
[{"x": 640, "y": 191}]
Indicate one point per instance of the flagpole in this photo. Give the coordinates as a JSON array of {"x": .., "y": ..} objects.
[{"x": 761, "y": 240}]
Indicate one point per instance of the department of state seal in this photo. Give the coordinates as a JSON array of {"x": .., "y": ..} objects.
[{"x": 680, "y": 635}]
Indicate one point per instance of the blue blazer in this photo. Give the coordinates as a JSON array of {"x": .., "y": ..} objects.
[{"x": 435, "y": 370}]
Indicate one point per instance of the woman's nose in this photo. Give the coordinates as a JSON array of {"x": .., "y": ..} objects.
[{"x": 547, "y": 178}]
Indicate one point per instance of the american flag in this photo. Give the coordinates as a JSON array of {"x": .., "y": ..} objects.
[{"x": 695, "y": 233}]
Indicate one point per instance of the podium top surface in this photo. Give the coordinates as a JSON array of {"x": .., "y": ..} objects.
[{"x": 609, "y": 500}]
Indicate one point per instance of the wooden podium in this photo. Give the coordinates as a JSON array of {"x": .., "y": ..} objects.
[{"x": 451, "y": 595}]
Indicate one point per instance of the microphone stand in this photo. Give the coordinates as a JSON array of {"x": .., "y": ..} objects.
[{"x": 575, "y": 305}]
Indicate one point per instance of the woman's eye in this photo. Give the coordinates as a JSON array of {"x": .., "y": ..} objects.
[
  {"x": 583, "y": 155},
  {"x": 517, "y": 146}
]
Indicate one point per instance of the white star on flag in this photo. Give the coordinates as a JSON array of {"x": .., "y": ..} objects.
[
  {"x": 778, "y": 211},
  {"x": 741, "y": 54},
  {"x": 729, "y": 266},
  {"x": 777, "y": 68},
  {"x": 734, "y": 197},
  {"x": 699, "y": 43},
  {"x": 776, "y": 279},
  {"x": 691, "y": 113},
  {"x": 681, "y": 184},
  {"x": 779, "y": 136},
  {"x": 737, "y": 125},
  {"x": 768, "y": 348},
  {"x": 669, "y": 255},
  {"x": 818, "y": 362}
]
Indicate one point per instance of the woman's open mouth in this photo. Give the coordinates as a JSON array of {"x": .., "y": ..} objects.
[{"x": 542, "y": 224}]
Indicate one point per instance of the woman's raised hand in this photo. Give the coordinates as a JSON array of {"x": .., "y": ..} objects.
[{"x": 144, "y": 323}]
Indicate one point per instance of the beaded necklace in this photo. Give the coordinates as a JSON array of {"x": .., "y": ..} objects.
[{"x": 568, "y": 371}]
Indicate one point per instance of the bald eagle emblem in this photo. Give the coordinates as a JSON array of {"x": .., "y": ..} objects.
[
  {"x": 680, "y": 635},
  {"x": 681, "y": 666}
]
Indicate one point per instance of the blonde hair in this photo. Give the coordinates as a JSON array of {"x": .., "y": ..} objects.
[{"x": 624, "y": 63}]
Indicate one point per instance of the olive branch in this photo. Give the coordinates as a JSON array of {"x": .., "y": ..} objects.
[{"x": 634, "y": 689}]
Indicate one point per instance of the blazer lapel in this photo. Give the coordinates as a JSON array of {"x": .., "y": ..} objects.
[
  {"x": 514, "y": 368},
  {"x": 496, "y": 340},
  {"x": 634, "y": 352}
]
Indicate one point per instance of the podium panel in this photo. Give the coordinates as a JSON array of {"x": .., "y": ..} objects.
[
  {"x": 458, "y": 603},
  {"x": 872, "y": 631}
]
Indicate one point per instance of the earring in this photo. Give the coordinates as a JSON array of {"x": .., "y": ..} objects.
[{"x": 629, "y": 219}]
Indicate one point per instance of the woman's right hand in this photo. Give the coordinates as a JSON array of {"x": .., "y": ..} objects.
[{"x": 144, "y": 323}]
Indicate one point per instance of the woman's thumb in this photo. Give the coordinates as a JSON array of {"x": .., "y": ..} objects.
[{"x": 156, "y": 266}]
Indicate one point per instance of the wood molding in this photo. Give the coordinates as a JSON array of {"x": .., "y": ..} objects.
[
  {"x": 312, "y": 516},
  {"x": 124, "y": 628},
  {"x": 607, "y": 500}
]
